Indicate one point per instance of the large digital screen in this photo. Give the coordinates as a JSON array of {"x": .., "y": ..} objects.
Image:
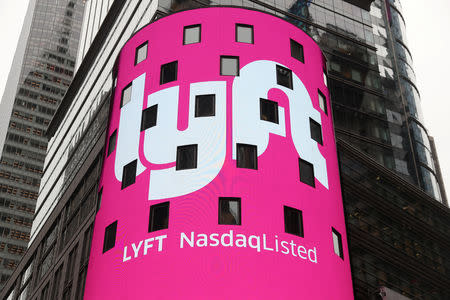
[{"x": 220, "y": 178}]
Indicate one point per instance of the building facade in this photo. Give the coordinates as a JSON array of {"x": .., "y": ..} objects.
[
  {"x": 42, "y": 70},
  {"x": 398, "y": 226}
]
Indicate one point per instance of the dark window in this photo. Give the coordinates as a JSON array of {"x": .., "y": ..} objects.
[
  {"x": 149, "y": 116},
  {"x": 205, "y": 105},
  {"x": 81, "y": 284},
  {"x": 306, "y": 172},
  {"x": 247, "y": 156},
  {"x": 44, "y": 293},
  {"x": 293, "y": 221},
  {"x": 112, "y": 142},
  {"x": 99, "y": 199},
  {"x": 56, "y": 283},
  {"x": 323, "y": 102},
  {"x": 244, "y": 33},
  {"x": 192, "y": 34},
  {"x": 268, "y": 110},
  {"x": 297, "y": 51},
  {"x": 169, "y": 72},
  {"x": 337, "y": 243},
  {"x": 229, "y": 65},
  {"x": 230, "y": 211},
  {"x": 110, "y": 237},
  {"x": 141, "y": 53},
  {"x": 284, "y": 77},
  {"x": 316, "y": 131},
  {"x": 129, "y": 174},
  {"x": 186, "y": 157},
  {"x": 126, "y": 95},
  {"x": 159, "y": 217}
]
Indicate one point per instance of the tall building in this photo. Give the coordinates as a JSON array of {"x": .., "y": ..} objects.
[
  {"x": 42, "y": 70},
  {"x": 397, "y": 218}
]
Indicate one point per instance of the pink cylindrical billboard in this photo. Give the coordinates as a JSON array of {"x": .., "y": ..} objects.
[{"x": 220, "y": 177}]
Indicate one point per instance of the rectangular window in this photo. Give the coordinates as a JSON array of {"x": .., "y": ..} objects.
[
  {"x": 44, "y": 293},
  {"x": 141, "y": 53},
  {"x": 247, "y": 156},
  {"x": 337, "y": 243},
  {"x": 112, "y": 142},
  {"x": 244, "y": 33},
  {"x": 284, "y": 77},
  {"x": 169, "y": 72},
  {"x": 129, "y": 174},
  {"x": 323, "y": 102},
  {"x": 306, "y": 172},
  {"x": 57, "y": 282},
  {"x": 205, "y": 105},
  {"x": 229, "y": 65},
  {"x": 159, "y": 217},
  {"x": 110, "y": 237},
  {"x": 192, "y": 34},
  {"x": 268, "y": 110},
  {"x": 126, "y": 95},
  {"x": 149, "y": 116},
  {"x": 186, "y": 157},
  {"x": 297, "y": 51},
  {"x": 293, "y": 221},
  {"x": 316, "y": 131},
  {"x": 99, "y": 199},
  {"x": 230, "y": 211}
]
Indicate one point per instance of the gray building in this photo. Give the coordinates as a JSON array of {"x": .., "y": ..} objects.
[
  {"x": 398, "y": 220},
  {"x": 41, "y": 73}
]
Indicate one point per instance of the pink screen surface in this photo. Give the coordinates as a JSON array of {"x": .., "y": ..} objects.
[{"x": 195, "y": 257}]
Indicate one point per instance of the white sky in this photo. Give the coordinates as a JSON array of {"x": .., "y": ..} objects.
[{"x": 428, "y": 39}]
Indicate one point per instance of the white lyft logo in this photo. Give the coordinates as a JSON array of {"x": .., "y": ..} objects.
[{"x": 209, "y": 133}]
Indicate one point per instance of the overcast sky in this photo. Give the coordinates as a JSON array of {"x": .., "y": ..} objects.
[{"x": 427, "y": 27}]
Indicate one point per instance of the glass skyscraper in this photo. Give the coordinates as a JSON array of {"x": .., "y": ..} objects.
[
  {"x": 41, "y": 73},
  {"x": 397, "y": 215}
]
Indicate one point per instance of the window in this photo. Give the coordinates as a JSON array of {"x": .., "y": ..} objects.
[
  {"x": 141, "y": 53},
  {"x": 99, "y": 199},
  {"x": 129, "y": 174},
  {"x": 323, "y": 102},
  {"x": 169, "y": 72},
  {"x": 337, "y": 243},
  {"x": 73, "y": 256},
  {"x": 192, "y": 34},
  {"x": 159, "y": 217},
  {"x": 149, "y": 116},
  {"x": 247, "y": 156},
  {"x": 110, "y": 237},
  {"x": 126, "y": 95},
  {"x": 293, "y": 221},
  {"x": 306, "y": 172},
  {"x": 229, "y": 65},
  {"x": 268, "y": 110},
  {"x": 244, "y": 33},
  {"x": 186, "y": 157},
  {"x": 316, "y": 131},
  {"x": 112, "y": 142},
  {"x": 230, "y": 211},
  {"x": 44, "y": 293},
  {"x": 297, "y": 51},
  {"x": 205, "y": 105},
  {"x": 284, "y": 77},
  {"x": 56, "y": 282}
]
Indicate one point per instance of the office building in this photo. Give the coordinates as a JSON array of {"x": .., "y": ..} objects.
[
  {"x": 396, "y": 212},
  {"x": 42, "y": 70}
]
